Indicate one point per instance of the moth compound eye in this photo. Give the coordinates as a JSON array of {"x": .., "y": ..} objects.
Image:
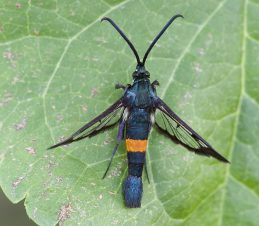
[{"x": 134, "y": 74}]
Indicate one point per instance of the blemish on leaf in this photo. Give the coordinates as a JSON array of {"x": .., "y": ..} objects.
[
  {"x": 6, "y": 99},
  {"x": 185, "y": 100},
  {"x": 31, "y": 150},
  {"x": 84, "y": 108},
  {"x": 209, "y": 40},
  {"x": 20, "y": 125},
  {"x": 95, "y": 59},
  {"x": 1, "y": 157},
  {"x": 197, "y": 68},
  {"x": 187, "y": 158},
  {"x": 17, "y": 181},
  {"x": 101, "y": 40},
  {"x": 100, "y": 196},
  {"x": 72, "y": 13},
  {"x": 59, "y": 179},
  {"x": 18, "y": 5},
  {"x": 64, "y": 213},
  {"x": 108, "y": 140},
  {"x": 16, "y": 79},
  {"x": 201, "y": 51},
  {"x": 59, "y": 117},
  {"x": 105, "y": 142},
  {"x": 94, "y": 92},
  {"x": 34, "y": 212},
  {"x": 115, "y": 222},
  {"x": 9, "y": 55},
  {"x": 51, "y": 164},
  {"x": 36, "y": 32},
  {"x": 116, "y": 172}
]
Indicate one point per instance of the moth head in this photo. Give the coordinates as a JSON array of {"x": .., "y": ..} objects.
[{"x": 140, "y": 72}]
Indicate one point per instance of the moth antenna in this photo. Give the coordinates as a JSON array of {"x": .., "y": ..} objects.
[
  {"x": 159, "y": 35},
  {"x": 125, "y": 38}
]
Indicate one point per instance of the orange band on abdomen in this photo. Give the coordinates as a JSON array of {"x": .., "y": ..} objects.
[{"x": 136, "y": 145}]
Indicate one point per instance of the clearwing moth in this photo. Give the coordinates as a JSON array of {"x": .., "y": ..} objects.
[{"x": 135, "y": 113}]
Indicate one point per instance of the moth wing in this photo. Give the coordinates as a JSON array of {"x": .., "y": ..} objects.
[
  {"x": 172, "y": 126},
  {"x": 106, "y": 120}
]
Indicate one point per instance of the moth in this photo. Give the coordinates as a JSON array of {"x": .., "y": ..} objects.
[{"x": 135, "y": 113}]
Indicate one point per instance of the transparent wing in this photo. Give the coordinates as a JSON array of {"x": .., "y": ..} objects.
[
  {"x": 169, "y": 124},
  {"x": 106, "y": 120}
]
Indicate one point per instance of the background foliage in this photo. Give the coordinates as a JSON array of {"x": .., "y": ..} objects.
[{"x": 58, "y": 69}]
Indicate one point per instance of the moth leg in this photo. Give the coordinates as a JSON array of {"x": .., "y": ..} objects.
[
  {"x": 121, "y": 86},
  {"x": 120, "y": 137},
  {"x": 146, "y": 171},
  {"x": 155, "y": 83}
]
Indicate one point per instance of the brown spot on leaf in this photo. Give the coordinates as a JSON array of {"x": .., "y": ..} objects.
[
  {"x": 59, "y": 179},
  {"x": 9, "y": 55},
  {"x": 84, "y": 108},
  {"x": 18, "y": 5},
  {"x": 36, "y": 32},
  {"x": 17, "y": 181},
  {"x": 31, "y": 150},
  {"x": 94, "y": 92},
  {"x": 20, "y": 125},
  {"x": 64, "y": 213}
]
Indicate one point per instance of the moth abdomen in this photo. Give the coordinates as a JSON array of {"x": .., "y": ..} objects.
[{"x": 132, "y": 190}]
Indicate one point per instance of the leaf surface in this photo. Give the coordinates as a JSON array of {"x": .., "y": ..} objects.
[{"x": 58, "y": 70}]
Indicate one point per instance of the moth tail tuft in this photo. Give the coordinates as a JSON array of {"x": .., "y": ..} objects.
[{"x": 132, "y": 191}]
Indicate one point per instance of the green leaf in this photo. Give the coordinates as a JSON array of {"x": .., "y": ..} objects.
[{"x": 58, "y": 70}]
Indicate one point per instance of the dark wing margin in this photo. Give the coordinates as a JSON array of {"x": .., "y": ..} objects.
[
  {"x": 106, "y": 120},
  {"x": 169, "y": 124}
]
